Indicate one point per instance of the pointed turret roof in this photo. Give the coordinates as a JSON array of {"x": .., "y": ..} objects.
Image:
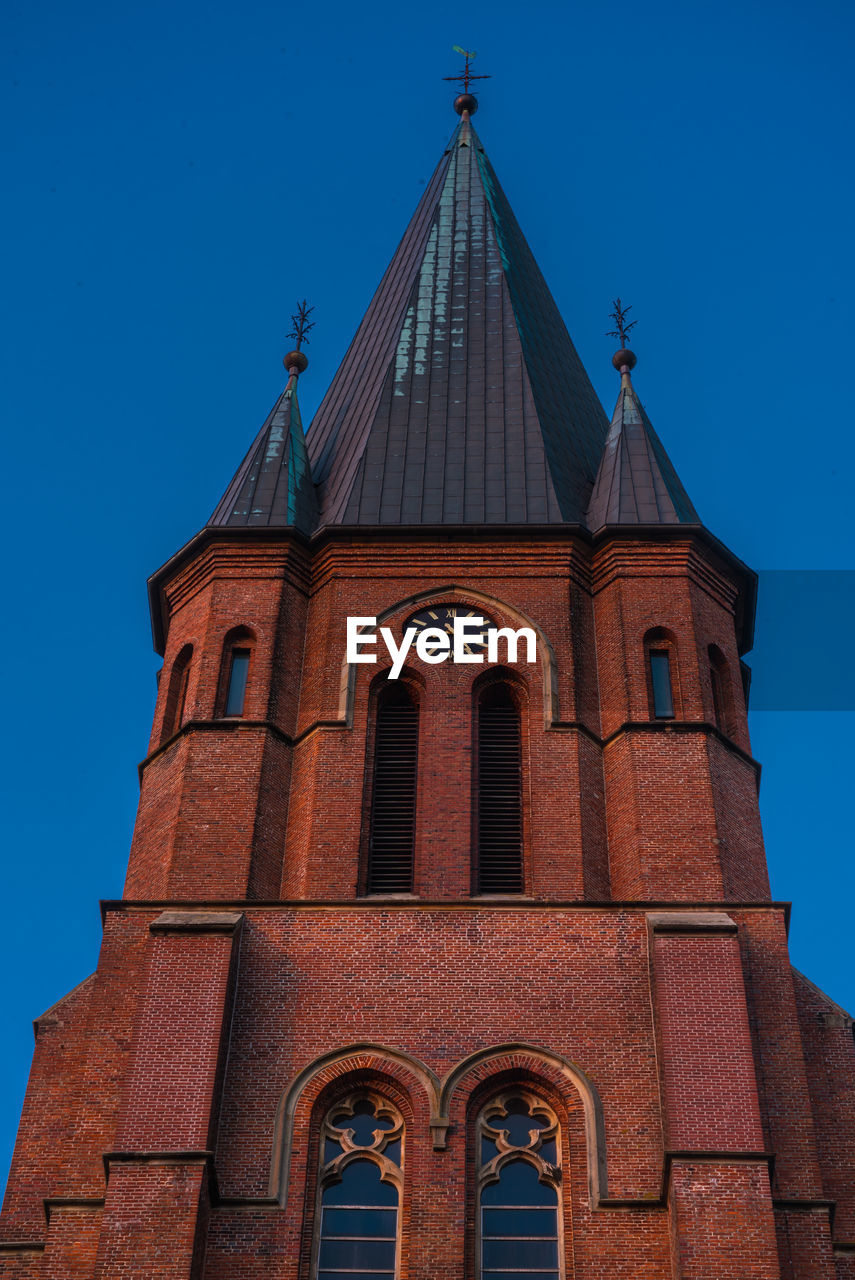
[
  {"x": 636, "y": 481},
  {"x": 461, "y": 398},
  {"x": 273, "y": 485}
]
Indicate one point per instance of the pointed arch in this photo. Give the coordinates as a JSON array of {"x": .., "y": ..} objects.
[
  {"x": 721, "y": 689},
  {"x": 545, "y": 652},
  {"x": 564, "y": 1076},
  {"x": 351, "y": 1060},
  {"x": 176, "y": 694}
]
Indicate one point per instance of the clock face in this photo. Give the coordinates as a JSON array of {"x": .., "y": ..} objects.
[{"x": 443, "y": 615}]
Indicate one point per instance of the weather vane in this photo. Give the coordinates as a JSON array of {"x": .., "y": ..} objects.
[
  {"x": 465, "y": 76},
  {"x": 621, "y": 332},
  {"x": 302, "y": 324}
]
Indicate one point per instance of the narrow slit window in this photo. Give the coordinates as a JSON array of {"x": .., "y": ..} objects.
[
  {"x": 660, "y": 679},
  {"x": 722, "y": 691},
  {"x": 393, "y": 794},
  {"x": 718, "y": 698},
  {"x": 176, "y": 694},
  {"x": 499, "y": 798},
  {"x": 238, "y": 672}
]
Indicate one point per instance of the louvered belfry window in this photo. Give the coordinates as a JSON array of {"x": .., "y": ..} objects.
[
  {"x": 393, "y": 795},
  {"x": 499, "y": 799}
]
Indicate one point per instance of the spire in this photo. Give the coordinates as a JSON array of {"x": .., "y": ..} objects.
[
  {"x": 461, "y": 399},
  {"x": 273, "y": 485},
  {"x": 636, "y": 481}
]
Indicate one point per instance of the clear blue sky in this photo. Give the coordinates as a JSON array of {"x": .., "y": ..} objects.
[{"x": 178, "y": 174}]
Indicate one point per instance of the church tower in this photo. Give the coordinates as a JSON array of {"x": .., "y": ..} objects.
[{"x": 438, "y": 965}]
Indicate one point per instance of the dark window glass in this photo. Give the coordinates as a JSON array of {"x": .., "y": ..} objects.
[
  {"x": 660, "y": 677},
  {"x": 362, "y": 1124},
  {"x": 519, "y": 1225},
  {"x": 500, "y": 868},
  {"x": 359, "y": 1226},
  {"x": 518, "y": 1123},
  {"x": 393, "y": 793},
  {"x": 525, "y": 1222},
  {"x": 238, "y": 672},
  {"x": 518, "y": 1185}
]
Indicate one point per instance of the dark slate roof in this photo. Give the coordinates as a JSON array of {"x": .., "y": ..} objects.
[
  {"x": 461, "y": 398},
  {"x": 273, "y": 485},
  {"x": 636, "y": 482}
]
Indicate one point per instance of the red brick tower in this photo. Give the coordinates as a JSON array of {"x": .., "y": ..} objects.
[{"x": 473, "y": 973}]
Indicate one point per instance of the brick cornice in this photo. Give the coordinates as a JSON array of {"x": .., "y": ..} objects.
[
  {"x": 571, "y": 538},
  {"x": 408, "y": 902},
  {"x": 233, "y": 725}
]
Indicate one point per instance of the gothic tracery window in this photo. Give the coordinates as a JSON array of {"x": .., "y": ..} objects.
[
  {"x": 358, "y": 1235},
  {"x": 519, "y": 1232}
]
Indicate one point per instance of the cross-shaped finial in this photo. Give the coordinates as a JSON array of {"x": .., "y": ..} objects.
[
  {"x": 465, "y": 76},
  {"x": 302, "y": 324},
  {"x": 621, "y": 331}
]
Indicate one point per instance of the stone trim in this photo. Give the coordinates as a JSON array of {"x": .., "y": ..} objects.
[
  {"x": 555, "y": 1070},
  {"x": 90, "y": 1203},
  {"x": 156, "y": 1157},
  {"x": 549, "y": 669},
  {"x": 565, "y": 1077},
  {"x": 309, "y": 1083},
  {"x": 691, "y": 922},
  {"x": 197, "y": 922}
]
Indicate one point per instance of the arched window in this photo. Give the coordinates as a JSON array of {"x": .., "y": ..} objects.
[
  {"x": 722, "y": 694},
  {"x": 660, "y": 658},
  {"x": 358, "y": 1221},
  {"x": 392, "y": 824},
  {"x": 499, "y": 791},
  {"x": 176, "y": 694},
  {"x": 234, "y": 676},
  {"x": 519, "y": 1221}
]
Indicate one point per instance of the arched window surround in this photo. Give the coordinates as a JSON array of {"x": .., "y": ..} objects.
[
  {"x": 176, "y": 693},
  {"x": 328, "y": 1157},
  {"x": 657, "y": 641},
  {"x": 544, "y": 684},
  {"x": 385, "y": 691},
  {"x": 560, "y": 1118},
  {"x": 482, "y": 686},
  {"x": 428, "y": 1103},
  {"x": 239, "y": 645}
]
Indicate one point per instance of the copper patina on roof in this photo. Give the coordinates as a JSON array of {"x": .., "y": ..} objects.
[{"x": 461, "y": 399}]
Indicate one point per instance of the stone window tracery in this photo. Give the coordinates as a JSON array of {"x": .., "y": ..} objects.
[
  {"x": 519, "y": 1226},
  {"x": 360, "y": 1185}
]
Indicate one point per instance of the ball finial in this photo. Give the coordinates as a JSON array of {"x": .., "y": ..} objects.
[
  {"x": 296, "y": 362},
  {"x": 624, "y": 359},
  {"x": 465, "y": 102}
]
